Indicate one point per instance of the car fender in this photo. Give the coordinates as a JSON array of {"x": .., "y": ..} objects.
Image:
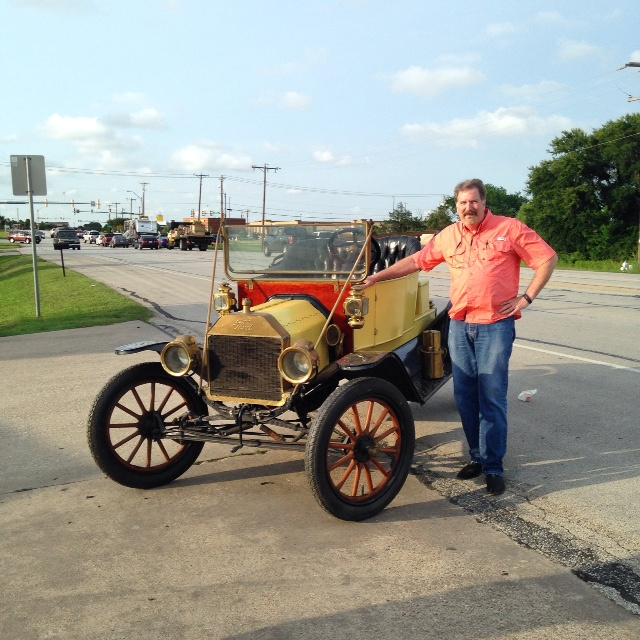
[
  {"x": 144, "y": 345},
  {"x": 387, "y": 366}
]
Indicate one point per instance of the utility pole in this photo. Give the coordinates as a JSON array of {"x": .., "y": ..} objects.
[
  {"x": 264, "y": 169},
  {"x": 221, "y": 197},
  {"x": 144, "y": 186},
  {"x": 200, "y": 175}
]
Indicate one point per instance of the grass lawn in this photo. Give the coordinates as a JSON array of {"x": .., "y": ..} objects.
[
  {"x": 605, "y": 266},
  {"x": 65, "y": 302}
]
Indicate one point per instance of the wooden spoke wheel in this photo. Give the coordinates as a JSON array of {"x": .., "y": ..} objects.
[
  {"x": 360, "y": 448},
  {"x": 126, "y": 426}
]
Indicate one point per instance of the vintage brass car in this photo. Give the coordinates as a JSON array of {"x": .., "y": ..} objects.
[{"x": 294, "y": 355}]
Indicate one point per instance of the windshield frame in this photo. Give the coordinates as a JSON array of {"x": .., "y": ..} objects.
[{"x": 255, "y": 252}]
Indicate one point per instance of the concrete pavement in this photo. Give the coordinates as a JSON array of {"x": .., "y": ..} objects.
[{"x": 237, "y": 548}]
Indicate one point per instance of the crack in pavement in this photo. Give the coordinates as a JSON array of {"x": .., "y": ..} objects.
[{"x": 616, "y": 580}]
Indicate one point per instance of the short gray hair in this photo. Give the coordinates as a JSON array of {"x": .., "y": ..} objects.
[{"x": 466, "y": 185}]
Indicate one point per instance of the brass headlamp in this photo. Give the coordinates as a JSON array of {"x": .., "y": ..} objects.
[
  {"x": 224, "y": 301},
  {"x": 356, "y": 306},
  {"x": 299, "y": 362},
  {"x": 181, "y": 356}
]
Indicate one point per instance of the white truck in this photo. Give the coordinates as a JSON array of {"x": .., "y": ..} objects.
[
  {"x": 139, "y": 226},
  {"x": 90, "y": 236}
]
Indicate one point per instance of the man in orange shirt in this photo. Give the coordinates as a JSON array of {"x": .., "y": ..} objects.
[{"x": 483, "y": 252}]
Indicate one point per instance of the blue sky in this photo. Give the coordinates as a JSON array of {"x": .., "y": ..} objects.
[{"x": 361, "y": 104}]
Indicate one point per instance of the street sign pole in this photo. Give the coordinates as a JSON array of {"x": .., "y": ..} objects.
[
  {"x": 34, "y": 235},
  {"x": 28, "y": 179}
]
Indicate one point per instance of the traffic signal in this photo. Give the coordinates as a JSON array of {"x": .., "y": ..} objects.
[
  {"x": 46, "y": 202},
  {"x": 98, "y": 203},
  {"x": 73, "y": 204}
]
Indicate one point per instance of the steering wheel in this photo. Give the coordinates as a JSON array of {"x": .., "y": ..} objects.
[
  {"x": 376, "y": 252},
  {"x": 335, "y": 241}
]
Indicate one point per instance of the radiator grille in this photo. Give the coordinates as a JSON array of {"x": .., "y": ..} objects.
[{"x": 245, "y": 367}]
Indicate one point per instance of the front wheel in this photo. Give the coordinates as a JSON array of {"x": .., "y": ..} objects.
[
  {"x": 126, "y": 427},
  {"x": 360, "y": 448}
]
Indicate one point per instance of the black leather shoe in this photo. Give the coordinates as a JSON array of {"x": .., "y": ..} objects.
[
  {"x": 471, "y": 470},
  {"x": 495, "y": 484}
]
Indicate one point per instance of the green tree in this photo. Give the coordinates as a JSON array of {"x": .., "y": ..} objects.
[
  {"x": 502, "y": 203},
  {"x": 401, "y": 220},
  {"x": 585, "y": 200}
]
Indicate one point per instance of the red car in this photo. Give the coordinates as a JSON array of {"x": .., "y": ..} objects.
[{"x": 22, "y": 235}]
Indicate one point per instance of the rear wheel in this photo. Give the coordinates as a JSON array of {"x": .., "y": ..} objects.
[
  {"x": 126, "y": 427},
  {"x": 360, "y": 448}
]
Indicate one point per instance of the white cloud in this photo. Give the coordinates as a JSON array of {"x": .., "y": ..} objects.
[
  {"x": 500, "y": 29},
  {"x": 571, "y": 50},
  {"x": 294, "y": 100},
  {"x": 504, "y": 122},
  {"x": 208, "y": 156},
  {"x": 556, "y": 19},
  {"x": 635, "y": 56},
  {"x": 60, "y": 127},
  {"x": 528, "y": 92},
  {"x": 325, "y": 156},
  {"x": 97, "y": 142},
  {"x": 430, "y": 83}
]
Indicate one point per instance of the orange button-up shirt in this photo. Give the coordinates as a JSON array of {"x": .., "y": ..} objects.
[{"x": 484, "y": 264}]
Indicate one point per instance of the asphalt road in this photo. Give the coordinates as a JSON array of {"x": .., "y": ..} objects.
[{"x": 572, "y": 468}]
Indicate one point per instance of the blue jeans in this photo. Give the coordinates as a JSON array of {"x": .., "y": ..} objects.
[{"x": 480, "y": 357}]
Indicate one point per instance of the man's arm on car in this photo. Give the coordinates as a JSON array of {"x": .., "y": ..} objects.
[{"x": 402, "y": 268}]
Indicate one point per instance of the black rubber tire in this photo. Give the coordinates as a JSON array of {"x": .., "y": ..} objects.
[
  {"x": 266, "y": 250},
  {"x": 183, "y": 245},
  {"x": 132, "y": 405},
  {"x": 339, "y": 455},
  {"x": 202, "y": 247}
]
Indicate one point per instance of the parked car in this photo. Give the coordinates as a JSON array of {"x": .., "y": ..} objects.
[
  {"x": 22, "y": 236},
  {"x": 280, "y": 239},
  {"x": 297, "y": 356},
  {"x": 90, "y": 237},
  {"x": 119, "y": 240},
  {"x": 146, "y": 241},
  {"x": 163, "y": 241}
]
